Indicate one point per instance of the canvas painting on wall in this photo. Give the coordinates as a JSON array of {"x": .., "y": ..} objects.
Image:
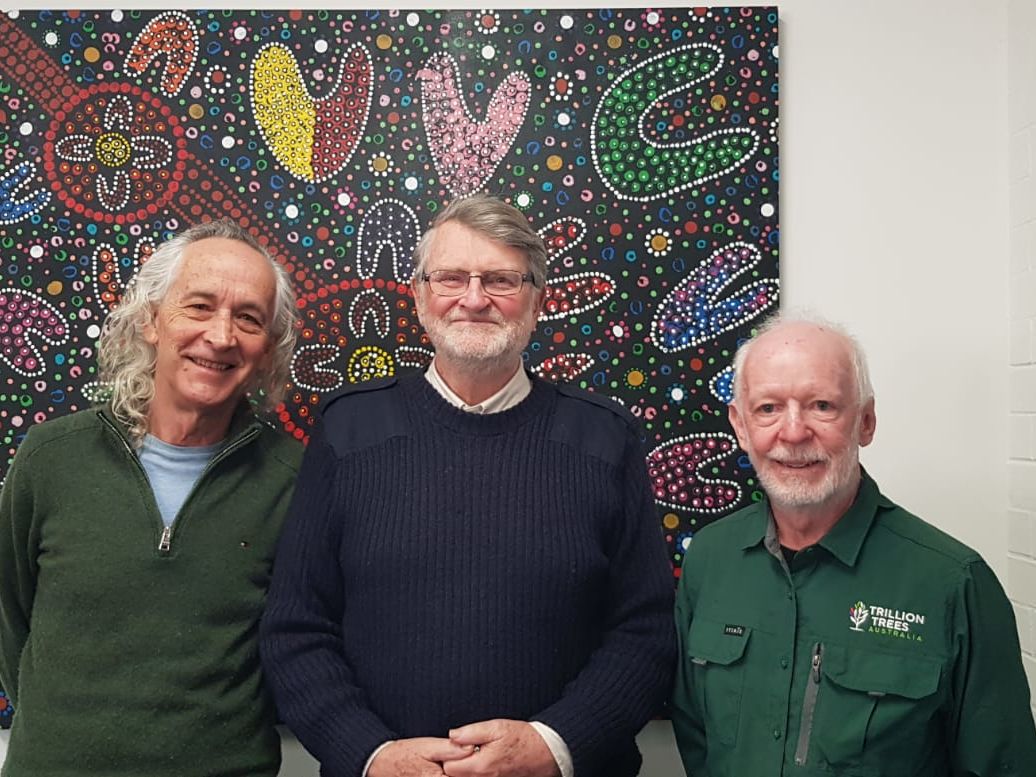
[{"x": 641, "y": 143}]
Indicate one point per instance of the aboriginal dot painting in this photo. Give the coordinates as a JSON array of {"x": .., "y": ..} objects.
[{"x": 641, "y": 143}]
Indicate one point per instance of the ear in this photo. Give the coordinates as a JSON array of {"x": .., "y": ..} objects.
[
  {"x": 868, "y": 422},
  {"x": 736, "y": 421},
  {"x": 419, "y": 299},
  {"x": 148, "y": 330},
  {"x": 267, "y": 360}
]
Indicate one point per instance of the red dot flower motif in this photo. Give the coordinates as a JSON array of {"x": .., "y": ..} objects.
[{"x": 115, "y": 153}]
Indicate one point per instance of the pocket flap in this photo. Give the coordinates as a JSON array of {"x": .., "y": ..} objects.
[
  {"x": 712, "y": 642},
  {"x": 879, "y": 674}
]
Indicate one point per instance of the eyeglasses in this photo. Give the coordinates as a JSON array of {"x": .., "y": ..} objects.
[{"x": 495, "y": 283}]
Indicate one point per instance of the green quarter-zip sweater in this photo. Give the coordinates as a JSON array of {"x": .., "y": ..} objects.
[
  {"x": 129, "y": 650},
  {"x": 887, "y": 648}
]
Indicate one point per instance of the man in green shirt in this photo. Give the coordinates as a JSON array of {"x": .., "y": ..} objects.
[{"x": 825, "y": 630}]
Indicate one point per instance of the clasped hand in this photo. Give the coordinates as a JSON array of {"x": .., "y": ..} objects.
[{"x": 491, "y": 748}]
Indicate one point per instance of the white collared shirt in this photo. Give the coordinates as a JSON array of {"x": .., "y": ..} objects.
[{"x": 513, "y": 392}]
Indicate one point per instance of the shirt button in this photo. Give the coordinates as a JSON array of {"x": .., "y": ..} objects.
[
  {"x": 776, "y": 733},
  {"x": 784, "y": 662},
  {"x": 789, "y": 594}
]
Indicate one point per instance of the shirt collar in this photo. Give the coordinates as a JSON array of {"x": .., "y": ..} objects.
[
  {"x": 844, "y": 541},
  {"x": 513, "y": 392}
]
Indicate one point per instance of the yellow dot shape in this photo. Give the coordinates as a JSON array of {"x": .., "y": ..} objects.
[
  {"x": 614, "y": 41},
  {"x": 284, "y": 110},
  {"x": 54, "y": 287},
  {"x": 670, "y": 521},
  {"x": 195, "y": 111},
  {"x": 635, "y": 378},
  {"x": 380, "y": 164},
  {"x": 660, "y": 242},
  {"x": 91, "y": 54},
  {"x": 554, "y": 162},
  {"x": 718, "y": 102},
  {"x": 113, "y": 149},
  {"x": 383, "y": 42}
]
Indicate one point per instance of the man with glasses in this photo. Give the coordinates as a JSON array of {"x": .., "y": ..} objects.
[{"x": 472, "y": 580}]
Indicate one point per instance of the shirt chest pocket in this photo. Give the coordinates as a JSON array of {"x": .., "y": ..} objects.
[
  {"x": 877, "y": 709},
  {"x": 716, "y": 652}
]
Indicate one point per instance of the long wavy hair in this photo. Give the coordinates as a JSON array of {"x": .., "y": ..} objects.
[{"x": 127, "y": 360}]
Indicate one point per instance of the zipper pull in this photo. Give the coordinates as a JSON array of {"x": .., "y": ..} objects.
[
  {"x": 163, "y": 544},
  {"x": 816, "y": 663}
]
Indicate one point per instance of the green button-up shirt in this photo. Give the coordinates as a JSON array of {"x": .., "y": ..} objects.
[{"x": 888, "y": 648}]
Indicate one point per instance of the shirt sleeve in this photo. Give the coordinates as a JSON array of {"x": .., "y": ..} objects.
[
  {"x": 300, "y": 634},
  {"x": 688, "y": 725},
  {"x": 19, "y": 542},
  {"x": 628, "y": 677},
  {"x": 557, "y": 747},
  {"x": 991, "y": 727}
]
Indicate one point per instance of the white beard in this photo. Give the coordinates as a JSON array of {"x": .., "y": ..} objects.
[
  {"x": 790, "y": 491},
  {"x": 477, "y": 345}
]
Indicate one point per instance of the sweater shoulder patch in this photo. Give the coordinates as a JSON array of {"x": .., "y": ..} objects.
[
  {"x": 364, "y": 415},
  {"x": 593, "y": 424}
]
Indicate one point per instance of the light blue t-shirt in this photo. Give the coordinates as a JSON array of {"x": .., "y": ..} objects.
[{"x": 173, "y": 470}]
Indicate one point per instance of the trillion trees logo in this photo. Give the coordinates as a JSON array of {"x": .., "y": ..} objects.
[{"x": 858, "y": 614}]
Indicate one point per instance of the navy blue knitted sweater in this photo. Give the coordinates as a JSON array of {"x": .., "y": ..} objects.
[{"x": 440, "y": 568}]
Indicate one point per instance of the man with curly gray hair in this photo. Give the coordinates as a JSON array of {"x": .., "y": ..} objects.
[{"x": 137, "y": 538}]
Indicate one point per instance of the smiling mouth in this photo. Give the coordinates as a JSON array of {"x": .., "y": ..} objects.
[
  {"x": 218, "y": 366},
  {"x": 800, "y": 464}
]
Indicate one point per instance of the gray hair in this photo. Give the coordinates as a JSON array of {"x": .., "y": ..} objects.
[
  {"x": 127, "y": 360},
  {"x": 495, "y": 219},
  {"x": 861, "y": 374}
]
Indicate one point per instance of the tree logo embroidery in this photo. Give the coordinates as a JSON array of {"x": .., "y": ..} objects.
[{"x": 858, "y": 614}]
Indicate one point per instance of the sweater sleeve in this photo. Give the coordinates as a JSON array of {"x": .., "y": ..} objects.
[
  {"x": 19, "y": 542},
  {"x": 300, "y": 635},
  {"x": 630, "y": 674}
]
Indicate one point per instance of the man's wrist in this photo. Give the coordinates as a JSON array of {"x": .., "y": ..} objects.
[
  {"x": 556, "y": 745},
  {"x": 378, "y": 749}
]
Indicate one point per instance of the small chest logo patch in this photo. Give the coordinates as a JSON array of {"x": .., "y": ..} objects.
[
  {"x": 886, "y": 621},
  {"x": 734, "y": 631}
]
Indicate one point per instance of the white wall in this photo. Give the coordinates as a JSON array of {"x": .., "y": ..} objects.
[
  {"x": 1021, "y": 540},
  {"x": 894, "y": 211},
  {"x": 894, "y": 220}
]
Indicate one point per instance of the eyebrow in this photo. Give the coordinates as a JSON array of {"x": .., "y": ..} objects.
[{"x": 209, "y": 296}]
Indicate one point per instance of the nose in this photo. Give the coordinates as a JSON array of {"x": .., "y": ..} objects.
[
  {"x": 474, "y": 297},
  {"x": 793, "y": 427},
  {"x": 220, "y": 331}
]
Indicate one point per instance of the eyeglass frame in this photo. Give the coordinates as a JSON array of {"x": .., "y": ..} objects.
[{"x": 526, "y": 277}]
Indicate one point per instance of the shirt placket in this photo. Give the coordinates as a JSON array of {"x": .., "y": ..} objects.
[{"x": 778, "y": 669}]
